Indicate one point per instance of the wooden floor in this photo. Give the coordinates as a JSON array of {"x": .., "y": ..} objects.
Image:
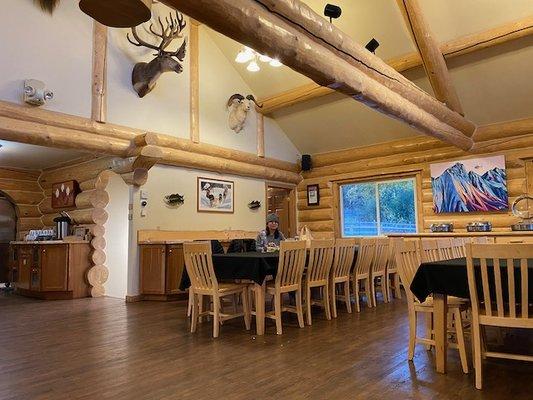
[{"x": 105, "y": 349}]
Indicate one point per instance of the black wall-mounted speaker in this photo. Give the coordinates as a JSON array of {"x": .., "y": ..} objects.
[{"x": 306, "y": 162}]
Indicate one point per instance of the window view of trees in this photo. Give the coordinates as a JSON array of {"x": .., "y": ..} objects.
[{"x": 377, "y": 208}]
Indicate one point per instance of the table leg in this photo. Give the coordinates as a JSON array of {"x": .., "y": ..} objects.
[
  {"x": 260, "y": 291},
  {"x": 440, "y": 325}
]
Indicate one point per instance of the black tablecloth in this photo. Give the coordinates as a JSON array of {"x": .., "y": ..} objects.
[
  {"x": 450, "y": 277},
  {"x": 252, "y": 266}
]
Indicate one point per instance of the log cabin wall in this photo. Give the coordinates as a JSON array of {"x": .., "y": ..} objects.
[
  {"x": 412, "y": 157},
  {"x": 22, "y": 188}
]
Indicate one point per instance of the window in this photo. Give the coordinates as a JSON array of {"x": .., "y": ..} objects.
[{"x": 378, "y": 208}]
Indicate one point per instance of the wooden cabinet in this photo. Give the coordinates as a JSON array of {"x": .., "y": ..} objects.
[
  {"x": 51, "y": 271},
  {"x": 161, "y": 269}
]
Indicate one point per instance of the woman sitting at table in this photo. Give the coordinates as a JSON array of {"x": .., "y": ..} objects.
[{"x": 271, "y": 236}]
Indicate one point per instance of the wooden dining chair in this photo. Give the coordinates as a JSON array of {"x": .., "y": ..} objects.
[
  {"x": 361, "y": 271},
  {"x": 340, "y": 274},
  {"x": 292, "y": 255},
  {"x": 458, "y": 248},
  {"x": 429, "y": 249},
  {"x": 199, "y": 264},
  {"x": 393, "y": 278},
  {"x": 379, "y": 269},
  {"x": 408, "y": 259},
  {"x": 501, "y": 299},
  {"x": 445, "y": 247},
  {"x": 317, "y": 275}
]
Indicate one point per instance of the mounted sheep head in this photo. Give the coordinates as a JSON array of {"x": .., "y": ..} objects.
[
  {"x": 145, "y": 75},
  {"x": 239, "y": 107}
]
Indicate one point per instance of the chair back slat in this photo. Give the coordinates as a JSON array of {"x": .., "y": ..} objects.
[
  {"x": 525, "y": 286},
  {"x": 445, "y": 248},
  {"x": 391, "y": 262},
  {"x": 365, "y": 255},
  {"x": 430, "y": 250},
  {"x": 291, "y": 265},
  {"x": 493, "y": 264},
  {"x": 343, "y": 257},
  {"x": 381, "y": 255},
  {"x": 320, "y": 259},
  {"x": 199, "y": 265},
  {"x": 407, "y": 261},
  {"x": 458, "y": 248}
]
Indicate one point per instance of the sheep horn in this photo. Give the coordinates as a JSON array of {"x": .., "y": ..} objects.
[
  {"x": 235, "y": 96},
  {"x": 251, "y": 97}
]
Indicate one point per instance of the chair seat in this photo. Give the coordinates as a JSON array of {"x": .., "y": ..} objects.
[
  {"x": 271, "y": 288},
  {"x": 452, "y": 302}
]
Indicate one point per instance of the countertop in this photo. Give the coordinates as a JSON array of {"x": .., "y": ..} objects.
[
  {"x": 49, "y": 242},
  {"x": 462, "y": 233}
]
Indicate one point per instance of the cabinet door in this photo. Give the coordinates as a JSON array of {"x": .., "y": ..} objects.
[
  {"x": 24, "y": 266},
  {"x": 152, "y": 263},
  {"x": 175, "y": 266},
  {"x": 54, "y": 268}
]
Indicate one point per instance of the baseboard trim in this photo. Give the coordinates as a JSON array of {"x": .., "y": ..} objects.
[{"x": 134, "y": 299}]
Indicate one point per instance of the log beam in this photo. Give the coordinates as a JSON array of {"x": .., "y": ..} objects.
[
  {"x": 99, "y": 103},
  {"x": 432, "y": 58},
  {"x": 194, "y": 51},
  {"x": 456, "y": 47},
  {"x": 253, "y": 23}
]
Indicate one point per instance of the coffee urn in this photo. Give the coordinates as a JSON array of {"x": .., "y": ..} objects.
[{"x": 62, "y": 226}]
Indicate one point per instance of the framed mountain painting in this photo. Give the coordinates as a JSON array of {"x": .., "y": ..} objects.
[{"x": 473, "y": 185}]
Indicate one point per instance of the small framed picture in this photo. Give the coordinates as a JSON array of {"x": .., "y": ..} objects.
[
  {"x": 313, "y": 195},
  {"x": 215, "y": 195},
  {"x": 81, "y": 231}
]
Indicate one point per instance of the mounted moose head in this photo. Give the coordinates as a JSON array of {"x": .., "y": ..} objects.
[
  {"x": 145, "y": 75},
  {"x": 239, "y": 107}
]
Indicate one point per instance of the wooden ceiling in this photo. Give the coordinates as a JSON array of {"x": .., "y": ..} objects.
[{"x": 481, "y": 79}]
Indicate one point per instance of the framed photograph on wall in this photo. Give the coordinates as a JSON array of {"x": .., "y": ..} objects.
[
  {"x": 313, "y": 195},
  {"x": 215, "y": 195}
]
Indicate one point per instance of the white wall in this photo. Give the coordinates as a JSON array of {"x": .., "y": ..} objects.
[
  {"x": 56, "y": 50},
  {"x": 117, "y": 237}
]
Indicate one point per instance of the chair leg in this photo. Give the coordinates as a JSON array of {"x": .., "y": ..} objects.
[
  {"x": 460, "y": 339},
  {"x": 189, "y": 305},
  {"x": 412, "y": 335},
  {"x": 277, "y": 312},
  {"x": 397, "y": 291},
  {"x": 216, "y": 315},
  {"x": 347, "y": 296},
  {"x": 355, "y": 284},
  {"x": 308, "y": 304},
  {"x": 385, "y": 284},
  {"x": 429, "y": 329},
  {"x": 476, "y": 337},
  {"x": 325, "y": 296},
  {"x": 388, "y": 286},
  {"x": 372, "y": 285},
  {"x": 369, "y": 292},
  {"x": 194, "y": 312},
  {"x": 235, "y": 301},
  {"x": 201, "y": 307},
  {"x": 333, "y": 298},
  {"x": 246, "y": 308},
  {"x": 299, "y": 308}
]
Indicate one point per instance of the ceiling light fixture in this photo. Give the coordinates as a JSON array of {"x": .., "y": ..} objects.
[{"x": 250, "y": 56}]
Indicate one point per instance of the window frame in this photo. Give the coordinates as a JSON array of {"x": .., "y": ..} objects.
[{"x": 416, "y": 179}]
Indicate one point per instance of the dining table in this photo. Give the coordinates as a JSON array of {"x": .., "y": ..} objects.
[{"x": 449, "y": 278}]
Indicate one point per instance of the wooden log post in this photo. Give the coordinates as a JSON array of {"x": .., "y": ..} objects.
[
  {"x": 99, "y": 104},
  {"x": 194, "y": 60},
  {"x": 432, "y": 57},
  {"x": 260, "y": 134},
  {"x": 267, "y": 32}
]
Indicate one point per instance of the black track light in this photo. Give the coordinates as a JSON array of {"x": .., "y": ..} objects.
[
  {"x": 372, "y": 45},
  {"x": 332, "y": 11}
]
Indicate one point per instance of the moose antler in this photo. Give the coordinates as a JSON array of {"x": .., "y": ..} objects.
[{"x": 172, "y": 30}]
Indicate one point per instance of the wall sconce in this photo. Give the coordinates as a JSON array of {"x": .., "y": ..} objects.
[
  {"x": 35, "y": 92},
  {"x": 332, "y": 11}
]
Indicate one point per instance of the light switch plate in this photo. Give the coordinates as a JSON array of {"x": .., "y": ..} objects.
[{"x": 144, "y": 194}]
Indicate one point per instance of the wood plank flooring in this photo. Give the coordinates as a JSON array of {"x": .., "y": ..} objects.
[{"x": 106, "y": 349}]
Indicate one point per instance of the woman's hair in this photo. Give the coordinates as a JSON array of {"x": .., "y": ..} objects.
[{"x": 276, "y": 232}]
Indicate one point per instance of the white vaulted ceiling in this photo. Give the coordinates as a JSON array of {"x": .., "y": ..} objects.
[{"x": 493, "y": 85}]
